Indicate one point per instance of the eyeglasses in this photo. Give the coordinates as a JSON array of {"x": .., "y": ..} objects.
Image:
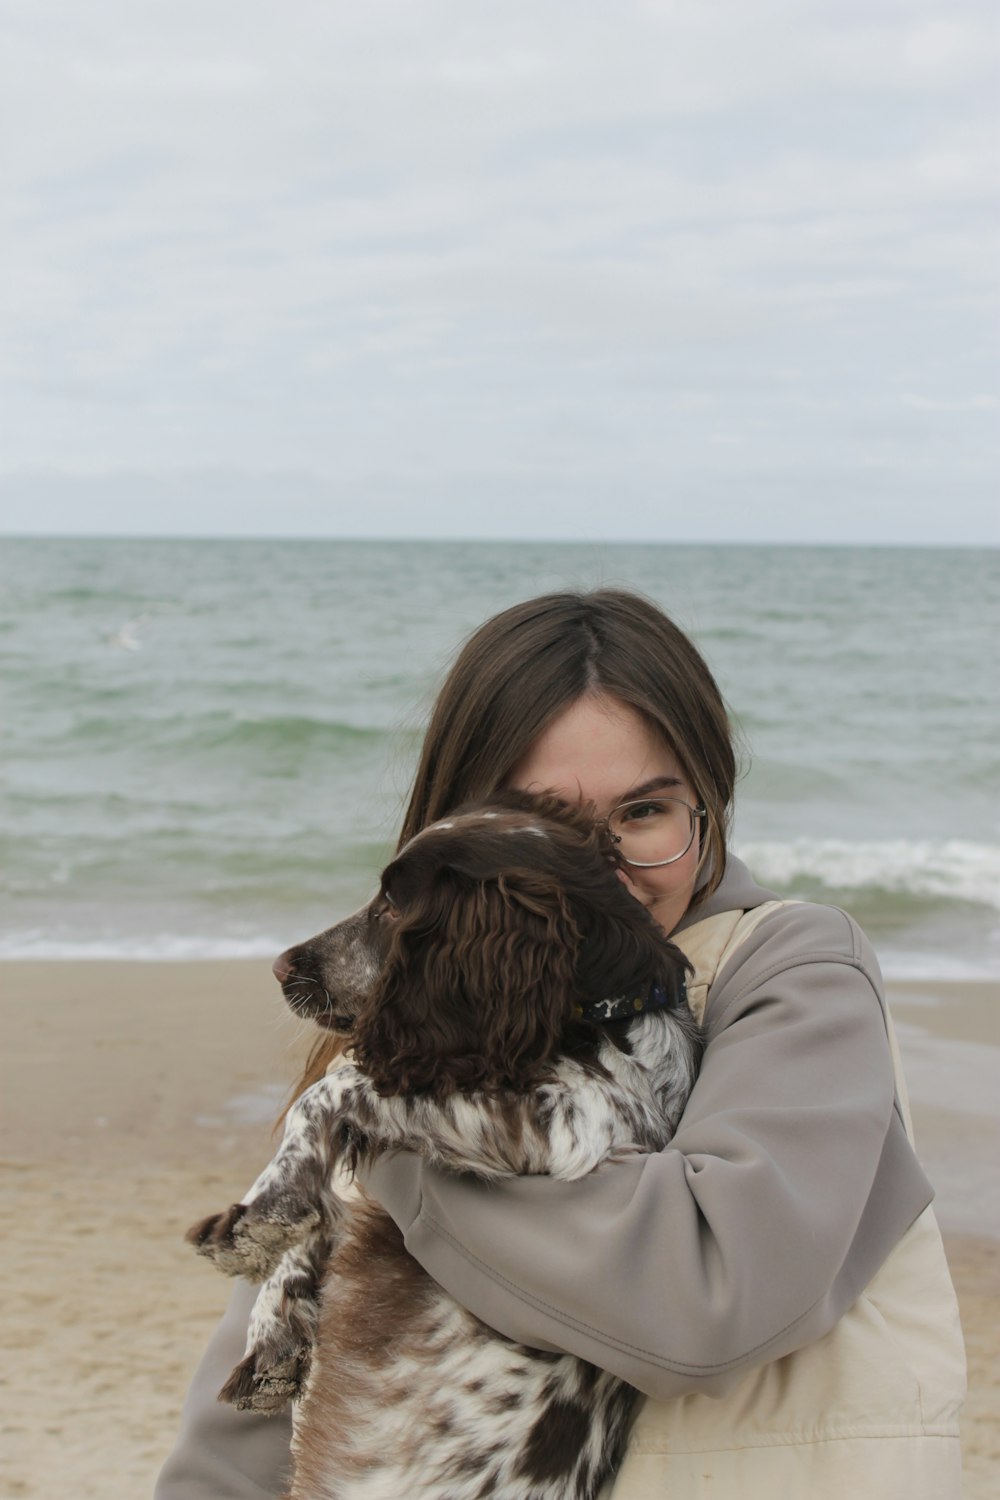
[{"x": 654, "y": 831}]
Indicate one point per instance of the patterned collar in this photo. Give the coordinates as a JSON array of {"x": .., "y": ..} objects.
[{"x": 620, "y": 1006}]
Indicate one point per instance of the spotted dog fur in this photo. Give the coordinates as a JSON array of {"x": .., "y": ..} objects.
[{"x": 404, "y": 1392}]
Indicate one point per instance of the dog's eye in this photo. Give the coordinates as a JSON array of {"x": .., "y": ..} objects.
[{"x": 386, "y": 911}]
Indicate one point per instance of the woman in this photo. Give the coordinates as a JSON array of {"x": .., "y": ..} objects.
[{"x": 773, "y": 1281}]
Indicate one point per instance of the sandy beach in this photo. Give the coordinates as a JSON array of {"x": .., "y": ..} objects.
[{"x": 138, "y": 1096}]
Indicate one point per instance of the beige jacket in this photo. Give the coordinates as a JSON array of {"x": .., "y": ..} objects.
[{"x": 870, "y": 1410}]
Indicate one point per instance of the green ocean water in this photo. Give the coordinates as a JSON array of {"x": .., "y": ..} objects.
[{"x": 205, "y": 746}]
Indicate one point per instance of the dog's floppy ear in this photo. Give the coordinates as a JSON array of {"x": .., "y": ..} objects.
[
  {"x": 624, "y": 951},
  {"x": 478, "y": 987}
]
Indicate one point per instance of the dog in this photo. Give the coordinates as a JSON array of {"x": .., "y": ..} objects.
[{"x": 512, "y": 1010}]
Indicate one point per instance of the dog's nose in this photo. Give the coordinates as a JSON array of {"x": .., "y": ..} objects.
[{"x": 283, "y": 968}]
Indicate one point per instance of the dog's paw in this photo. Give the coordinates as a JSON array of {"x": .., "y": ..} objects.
[
  {"x": 235, "y": 1246},
  {"x": 267, "y": 1379},
  {"x": 216, "y": 1237},
  {"x": 250, "y": 1239}
]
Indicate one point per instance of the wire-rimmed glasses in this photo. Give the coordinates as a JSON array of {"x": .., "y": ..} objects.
[{"x": 654, "y": 831}]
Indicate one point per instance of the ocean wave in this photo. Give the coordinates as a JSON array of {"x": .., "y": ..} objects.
[
  {"x": 901, "y": 965},
  {"x": 163, "y": 947},
  {"x": 298, "y": 732},
  {"x": 946, "y": 869},
  {"x": 194, "y": 733},
  {"x": 898, "y": 963}
]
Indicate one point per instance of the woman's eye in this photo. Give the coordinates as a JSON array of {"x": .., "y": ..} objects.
[{"x": 640, "y": 812}]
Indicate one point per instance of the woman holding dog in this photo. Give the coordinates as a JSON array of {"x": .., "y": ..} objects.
[{"x": 774, "y": 1281}]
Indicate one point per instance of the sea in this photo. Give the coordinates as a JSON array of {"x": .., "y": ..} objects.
[{"x": 206, "y": 745}]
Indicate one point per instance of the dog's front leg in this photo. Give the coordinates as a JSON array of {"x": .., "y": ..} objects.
[
  {"x": 282, "y": 1331},
  {"x": 293, "y": 1197}
]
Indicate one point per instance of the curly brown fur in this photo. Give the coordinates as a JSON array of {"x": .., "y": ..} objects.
[{"x": 500, "y": 931}]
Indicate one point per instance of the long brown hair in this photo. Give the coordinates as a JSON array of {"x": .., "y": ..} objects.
[{"x": 523, "y": 667}]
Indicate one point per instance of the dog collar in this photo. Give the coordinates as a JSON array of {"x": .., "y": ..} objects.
[{"x": 617, "y": 1007}]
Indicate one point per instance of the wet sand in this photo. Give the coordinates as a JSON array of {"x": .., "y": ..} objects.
[{"x": 138, "y": 1096}]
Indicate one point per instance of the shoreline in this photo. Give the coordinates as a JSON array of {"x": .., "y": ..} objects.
[{"x": 140, "y": 1095}]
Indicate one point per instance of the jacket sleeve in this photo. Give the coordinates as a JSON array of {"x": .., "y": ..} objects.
[
  {"x": 223, "y": 1454},
  {"x": 787, "y": 1184}
]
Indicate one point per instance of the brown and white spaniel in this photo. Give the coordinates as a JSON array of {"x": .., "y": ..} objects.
[{"x": 511, "y": 1009}]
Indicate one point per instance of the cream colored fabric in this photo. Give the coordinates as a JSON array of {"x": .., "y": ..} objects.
[
  {"x": 709, "y": 944},
  {"x": 870, "y": 1412}
]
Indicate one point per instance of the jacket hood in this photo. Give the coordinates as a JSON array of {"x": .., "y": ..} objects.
[{"x": 737, "y": 891}]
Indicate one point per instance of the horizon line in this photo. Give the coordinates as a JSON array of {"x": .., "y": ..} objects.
[{"x": 410, "y": 539}]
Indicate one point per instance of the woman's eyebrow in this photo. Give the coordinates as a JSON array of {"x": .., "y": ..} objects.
[{"x": 646, "y": 788}]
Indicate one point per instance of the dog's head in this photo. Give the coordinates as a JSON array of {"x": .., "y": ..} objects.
[{"x": 489, "y": 930}]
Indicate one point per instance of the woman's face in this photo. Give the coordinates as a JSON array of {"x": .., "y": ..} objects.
[{"x": 602, "y": 751}]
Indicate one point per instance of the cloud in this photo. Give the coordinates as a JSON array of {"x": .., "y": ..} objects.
[{"x": 447, "y": 240}]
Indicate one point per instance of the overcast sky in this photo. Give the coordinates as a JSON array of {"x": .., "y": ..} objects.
[{"x": 699, "y": 269}]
